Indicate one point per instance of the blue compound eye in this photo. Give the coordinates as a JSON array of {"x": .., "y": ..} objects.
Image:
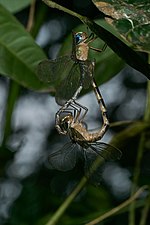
[{"x": 78, "y": 38}]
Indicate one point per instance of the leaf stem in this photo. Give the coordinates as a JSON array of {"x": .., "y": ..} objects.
[
  {"x": 59, "y": 7},
  {"x": 145, "y": 210},
  {"x": 31, "y": 16},
  {"x": 13, "y": 93},
  {"x": 56, "y": 216},
  {"x": 118, "y": 208},
  {"x": 139, "y": 156}
]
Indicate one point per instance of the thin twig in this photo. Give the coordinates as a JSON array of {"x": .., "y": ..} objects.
[
  {"x": 56, "y": 216},
  {"x": 31, "y": 16},
  {"x": 139, "y": 157},
  {"x": 122, "y": 123},
  {"x": 118, "y": 208},
  {"x": 136, "y": 178},
  {"x": 145, "y": 211},
  {"x": 59, "y": 7}
]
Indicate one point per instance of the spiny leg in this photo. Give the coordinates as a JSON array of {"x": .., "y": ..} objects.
[
  {"x": 81, "y": 108},
  {"x": 58, "y": 114},
  {"x": 99, "y": 49},
  {"x": 77, "y": 109},
  {"x": 63, "y": 108},
  {"x": 91, "y": 39}
]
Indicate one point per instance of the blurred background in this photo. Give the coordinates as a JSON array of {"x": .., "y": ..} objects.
[{"x": 29, "y": 191}]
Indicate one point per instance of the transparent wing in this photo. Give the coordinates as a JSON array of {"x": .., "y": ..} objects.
[
  {"x": 69, "y": 85},
  {"x": 86, "y": 70},
  {"x": 95, "y": 157},
  {"x": 52, "y": 70},
  {"x": 65, "y": 158},
  {"x": 108, "y": 152},
  {"x": 93, "y": 166}
]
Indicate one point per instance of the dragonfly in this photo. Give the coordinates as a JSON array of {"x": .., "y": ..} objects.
[
  {"x": 83, "y": 143},
  {"x": 71, "y": 73}
]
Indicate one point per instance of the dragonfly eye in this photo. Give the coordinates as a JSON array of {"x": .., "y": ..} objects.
[
  {"x": 65, "y": 126},
  {"x": 65, "y": 123},
  {"x": 80, "y": 36}
]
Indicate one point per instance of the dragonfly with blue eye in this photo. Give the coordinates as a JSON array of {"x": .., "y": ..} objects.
[
  {"x": 83, "y": 144},
  {"x": 69, "y": 74}
]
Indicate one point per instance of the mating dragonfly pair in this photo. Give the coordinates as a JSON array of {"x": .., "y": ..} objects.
[{"x": 72, "y": 74}]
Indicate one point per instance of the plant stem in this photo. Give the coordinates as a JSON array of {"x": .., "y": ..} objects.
[
  {"x": 56, "y": 216},
  {"x": 145, "y": 210},
  {"x": 31, "y": 16},
  {"x": 59, "y": 7},
  {"x": 135, "y": 179},
  {"x": 118, "y": 208},
  {"x": 139, "y": 157},
  {"x": 13, "y": 93}
]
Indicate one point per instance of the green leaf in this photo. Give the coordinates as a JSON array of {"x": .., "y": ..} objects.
[
  {"x": 130, "y": 18},
  {"x": 132, "y": 58},
  {"x": 19, "y": 54},
  {"x": 15, "y": 5}
]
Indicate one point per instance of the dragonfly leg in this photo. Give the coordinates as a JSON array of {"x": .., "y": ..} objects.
[
  {"x": 99, "y": 49},
  {"x": 77, "y": 93},
  {"x": 81, "y": 108},
  {"x": 93, "y": 38},
  {"x": 65, "y": 109},
  {"x": 58, "y": 118},
  {"x": 77, "y": 110}
]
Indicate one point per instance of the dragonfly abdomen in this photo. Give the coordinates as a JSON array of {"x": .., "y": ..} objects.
[{"x": 80, "y": 134}]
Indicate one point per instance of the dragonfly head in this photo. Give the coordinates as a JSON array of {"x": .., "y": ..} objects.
[
  {"x": 80, "y": 37},
  {"x": 65, "y": 123}
]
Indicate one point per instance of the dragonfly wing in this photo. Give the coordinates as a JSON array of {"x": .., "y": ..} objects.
[
  {"x": 64, "y": 159},
  {"x": 69, "y": 85},
  {"x": 93, "y": 166},
  {"x": 53, "y": 70},
  {"x": 86, "y": 70},
  {"x": 95, "y": 157},
  {"x": 108, "y": 152}
]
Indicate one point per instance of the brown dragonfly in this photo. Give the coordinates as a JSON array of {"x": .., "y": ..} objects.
[
  {"x": 83, "y": 143},
  {"x": 69, "y": 74}
]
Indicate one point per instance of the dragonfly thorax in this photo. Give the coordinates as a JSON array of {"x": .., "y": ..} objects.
[
  {"x": 82, "y": 51},
  {"x": 78, "y": 132}
]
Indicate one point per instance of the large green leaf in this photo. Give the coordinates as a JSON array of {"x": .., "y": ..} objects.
[
  {"x": 19, "y": 54},
  {"x": 130, "y": 18},
  {"x": 15, "y": 5}
]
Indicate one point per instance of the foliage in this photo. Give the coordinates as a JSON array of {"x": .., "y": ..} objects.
[
  {"x": 130, "y": 18},
  {"x": 48, "y": 197}
]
